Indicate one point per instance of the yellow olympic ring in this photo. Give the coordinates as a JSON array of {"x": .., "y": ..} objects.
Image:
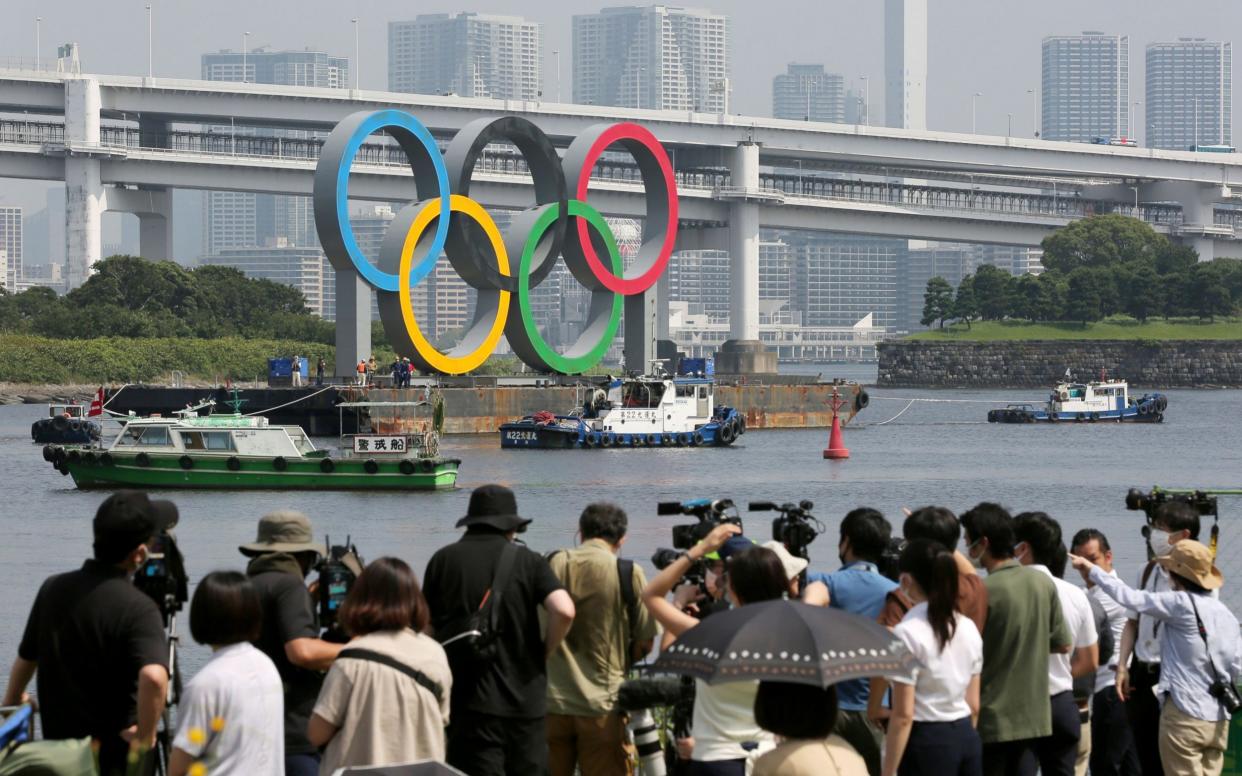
[{"x": 482, "y": 337}]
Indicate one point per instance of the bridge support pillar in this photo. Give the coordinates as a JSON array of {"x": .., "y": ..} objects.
[
  {"x": 1198, "y": 229},
  {"x": 353, "y": 322},
  {"x": 153, "y": 207},
  {"x": 743, "y": 353},
  {"x": 84, "y": 193}
]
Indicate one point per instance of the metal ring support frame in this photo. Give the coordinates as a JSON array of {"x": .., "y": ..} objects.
[{"x": 503, "y": 268}]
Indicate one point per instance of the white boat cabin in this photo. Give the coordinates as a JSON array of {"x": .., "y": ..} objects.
[
  {"x": 223, "y": 435},
  {"x": 1105, "y": 396},
  {"x": 648, "y": 405}
]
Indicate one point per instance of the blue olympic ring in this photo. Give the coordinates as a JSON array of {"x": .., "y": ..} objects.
[{"x": 404, "y": 128}]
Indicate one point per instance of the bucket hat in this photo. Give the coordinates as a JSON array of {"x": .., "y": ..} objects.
[
  {"x": 1192, "y": 560},
  {"x": 495, "y": 506},
  {"x": 283, "y": 531},
  {"x": 793, "y": 564}
]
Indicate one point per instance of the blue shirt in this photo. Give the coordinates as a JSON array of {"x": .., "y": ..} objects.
[
  {"x": 858, "y": 587},
  {"x": 1185, "y": 675}
]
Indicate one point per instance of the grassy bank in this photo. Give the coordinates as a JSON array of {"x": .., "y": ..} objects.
[{"x": 1111, "y": 329}]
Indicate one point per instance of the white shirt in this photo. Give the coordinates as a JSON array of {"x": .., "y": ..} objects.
[
  {"x": 240, "y": 687},
  {"x": 1185, "y": 675},
  {"x": 942, "y": 676},
  {"x": 724, "y": 719},
  {"x": 1147, "y": 645},
  {"x": 1076, "y": 610},
  {"x": 1117, "y": 615}
]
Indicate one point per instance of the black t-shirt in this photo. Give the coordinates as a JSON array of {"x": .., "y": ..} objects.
[
  {"x": 288, "y": 614},
  {"x": 458, "y": 575},
  {"x": 91, "y": 631}
]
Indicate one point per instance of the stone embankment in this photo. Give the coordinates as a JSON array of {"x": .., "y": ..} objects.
[{"x": 1037, "y": 364}]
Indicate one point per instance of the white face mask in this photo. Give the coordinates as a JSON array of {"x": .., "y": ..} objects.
[{"x": 1159, "y": 541}]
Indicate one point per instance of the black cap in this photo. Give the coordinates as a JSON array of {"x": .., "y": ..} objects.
[
  {"x": 128, "y": 518},
  {"x": 495, "y": 506}
]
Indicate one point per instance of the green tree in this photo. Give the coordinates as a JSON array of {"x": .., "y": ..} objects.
[
  {"x": 1142, "y": 295},
  {"x": 965, "y": 305},
  {"x": 1208, "y": 290},
  {"x": 1175, "y": 257},
  {"x": 1082, "y": 302},
  {"x": 1101, "y": 241},
  {"x": 993, "y": 292},
  {"x": 937, "y": 302},
  {"x": 1176, "y": 292}
]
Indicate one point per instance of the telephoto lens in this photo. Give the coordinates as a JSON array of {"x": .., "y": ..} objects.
[{"x": 646, "y": 735}]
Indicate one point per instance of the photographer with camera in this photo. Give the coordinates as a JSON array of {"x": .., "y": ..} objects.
[
  {"x": 98, "y": 643},
  {"x": 723, "y": 733},
  {"x": 283, "y": 553},
  {"x": 1201, "y": 655},
  {"x": 610, "y": 632},
  {"x": 859, "y": 587}
]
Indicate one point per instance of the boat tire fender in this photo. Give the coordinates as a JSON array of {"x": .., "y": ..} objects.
[
  {"x": 327, "y": 466},
  {"x": 49, "y": 454},
  {"x": 60, "y": 423},
  {"x": 862, "y": 399},
  {"x": 106, "y": 459},
  {"x": 370, "y": 467},
  {"x": 186, "y": 462},
  {"x": 726, "y": 434},
  {"x": 427, "y": 465},
  {"x": 74, "y": 455},
  {"x": 75, "y": 425},
  {"x": 64, "y": 470},
  {"x": 684, "y": 439},
  {"x": 696, "y": 438},
  {"x": 406, "y": 467},
  {"x": 1093, "y": 417},
  {"x": 1144, "y": 408},
  {"x": 606, "y": 439},
  {"x": 233, "y": 463},
  {"x": 279, "y": 463},
  {"x": 142, "y": 459},
  {"x": 741, "y": 424},
  {"x": 653, "y": 440},
  {"x": 1159, "y": 417}
]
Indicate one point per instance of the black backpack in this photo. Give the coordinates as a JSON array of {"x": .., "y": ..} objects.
[{"x": 478, "y": 638}]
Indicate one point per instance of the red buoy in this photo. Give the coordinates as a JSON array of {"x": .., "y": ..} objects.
[{"x": 836, "y": 449}]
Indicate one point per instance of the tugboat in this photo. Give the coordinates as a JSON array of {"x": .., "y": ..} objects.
[
  {"x": 647, "y": 411},
  {"x": 1078, "y": 402},
  {"x": 235, "y": 451},
  {"x": 66, "y": 424}
]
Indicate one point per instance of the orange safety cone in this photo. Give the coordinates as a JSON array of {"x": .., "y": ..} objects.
[{"x": 836, "y": 449}]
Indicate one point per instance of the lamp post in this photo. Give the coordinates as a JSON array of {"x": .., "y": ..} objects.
[
  {"x": 974, "y": 101},
  {"x": 357, "y": 74},
  {"x": 557, "y": 54},
  {"x": 1130, "y": 131},
  {"x": 150, "y": 49},
  {"x": 245, "y": 51},
  {"x": 38, "y": 42},
  {"x": 1136, "y": 192},
  {"x": 1034, "y": 111},
  {"x": 1010, "y": 132}
]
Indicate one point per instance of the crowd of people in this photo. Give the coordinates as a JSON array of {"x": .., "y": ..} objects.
[{"x": 501, "y": 660}]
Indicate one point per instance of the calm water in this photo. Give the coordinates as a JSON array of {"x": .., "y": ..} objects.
[{"x": 937, "y": 453}]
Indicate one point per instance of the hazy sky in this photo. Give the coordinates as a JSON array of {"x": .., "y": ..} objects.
[{"x": 988, "y": 46}]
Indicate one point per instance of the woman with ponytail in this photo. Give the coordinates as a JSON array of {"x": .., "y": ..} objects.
[{"x": 932, "y": 727}]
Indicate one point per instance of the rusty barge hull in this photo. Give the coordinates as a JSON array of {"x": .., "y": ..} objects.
[{"x": 470, "y": 409}]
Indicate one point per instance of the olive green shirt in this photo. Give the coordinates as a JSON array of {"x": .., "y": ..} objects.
[
  {"x": 1024, "y": 625},
  {"x": 589, "y": 666}
]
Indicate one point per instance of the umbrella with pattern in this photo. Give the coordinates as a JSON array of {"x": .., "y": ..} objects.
[{"x": 787, "y": 641}]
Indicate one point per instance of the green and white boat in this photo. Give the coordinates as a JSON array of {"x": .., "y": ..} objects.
[{"x": 235, "y": 451}]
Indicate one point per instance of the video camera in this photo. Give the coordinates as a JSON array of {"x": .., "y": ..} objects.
[
  {"x": 163, "y": 576},
  {"x": 1149, "y": 502},
  {"x": 795, "y": 528},
  {"x": 338, "y": 572},
  {"x": 710, "y": 513}
]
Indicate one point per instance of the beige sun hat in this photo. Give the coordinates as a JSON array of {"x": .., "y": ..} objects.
[
  {"x": 1192, "y": 560},
  {"x": 284, "y": 530}
]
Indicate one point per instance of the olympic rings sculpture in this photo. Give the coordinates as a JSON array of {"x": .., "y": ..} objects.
[{"x": 502, "y": 267}]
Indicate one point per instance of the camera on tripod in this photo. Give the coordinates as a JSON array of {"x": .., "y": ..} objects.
[
  {"x": 163, "y": 577},
  {"x": 1149, "y": 502},
  {"x": 710, "y": 513},
  {"x": 338, "y": 571},
  {"x": 795, "y": 527}
]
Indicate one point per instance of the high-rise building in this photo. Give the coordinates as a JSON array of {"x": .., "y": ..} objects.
[
  {"x": 658, "y": 56},
  {"x": 839, "y": 279},
  {"x": 1189, "y": 93},
  {"x": 701, "y": 276},
  {"x": 952, "y": 261},
  {"x": 807, "y": 93},
  {"x": 1086, "y": 87},
  {"x": 11, "y": 244},
  {"x": 905, "y": 63},
  {"x": 305, "y": 268},
  {"x": 243, "y": 220},
  {"x": 470, "y": 54}
]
